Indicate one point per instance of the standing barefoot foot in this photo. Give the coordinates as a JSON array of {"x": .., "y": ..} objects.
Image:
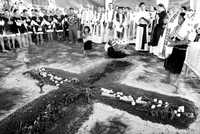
[{"x": 176, "y": 89}]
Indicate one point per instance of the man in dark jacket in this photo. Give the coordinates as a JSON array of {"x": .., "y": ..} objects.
[{"x": 159, "y": 29}]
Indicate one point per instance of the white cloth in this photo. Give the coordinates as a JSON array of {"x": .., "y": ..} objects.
[
  {"x": 193, "y": 57},
  {"x": 139, "y": 37},
  {"x": 106, "y": 47}
]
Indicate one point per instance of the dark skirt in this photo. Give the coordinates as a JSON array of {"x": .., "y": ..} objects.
[
  {"x": 88, "y": 45},
  {"x": 115, "y": 54},
  {"x": 174, "y": 63}
]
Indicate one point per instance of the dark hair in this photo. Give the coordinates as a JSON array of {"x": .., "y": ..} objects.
[
  {"x": 24, "y": 10},
  {"x": 86, "y": 27},
  {"x": 141, "y": 3},
  {"x": 184, "y": 8},
  {"x": 15, "y": 10},
  {"x": 45, "y": 17},
  {"x": 182, "y": 15},
  {"x": 62, "y": 16},
  {"x": 55, "y": 16},
  {"x": 71, "y": 8},
  {"x": 110, "y": 42},
  {"x": 161, "y": 5},
  {"x": 34, "y": 18},
  {"x": 23, "y": 18}
]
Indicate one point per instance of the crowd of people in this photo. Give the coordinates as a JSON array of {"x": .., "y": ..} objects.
[{"x": 164, "y": 33}]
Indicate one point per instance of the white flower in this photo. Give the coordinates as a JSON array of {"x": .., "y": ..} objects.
[
  {"x": 120, "y": 93},
  {"x": 61, "y": 82},
  {"x": 125, "y": 98},
  {"x": 51, "y": 78},
  {"x": 160, "y": 102},
  {"x": 181, "y": 109},
  {"x": 153, "y": 107},
  {"x": 130, "y": 98},
  {"x": 56, "y": 82},
  {"x": 166, "y": 104},
  {"x": 55, "y": 77},
  {"x": 155, "y": 100},
  {"x": 44, "y": 74},
  {"x": 66, "y": 80},
  {"x": 119, "y": 96},
  {"x": 133, "y": 103},
  {"x": 105, "y": 90},
  {"x": 57, "y": 85},
  {"x": 159, "y": 105},
  {"x": 59, "y": 78},
  {"x": 139, "y": 100},
  {"x": 107, "y": 94},
  {"x": 178, "y": 115},
  {"x": 175, "y": 111}
]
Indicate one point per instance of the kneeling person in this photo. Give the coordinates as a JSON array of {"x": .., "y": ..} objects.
[
  {"x": 87, "y": 40},
  {"x": 112, "y": 53}
]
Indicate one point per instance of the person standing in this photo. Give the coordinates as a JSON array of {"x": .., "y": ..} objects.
[
  {"x": 119, "y": 21},
  {"x": 142, "y": 29},
  {"x": 179, "y": 40},
  {"x": 73, "y": 26},
  {"x": 156, "y": 47}
]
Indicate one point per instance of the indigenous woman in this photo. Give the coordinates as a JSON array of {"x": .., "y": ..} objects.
[
  {"x": 29, "y": 28},
  {"x": 66, "y": 27},
  {"x": 45, "y": 27},
  {"x": 34, "y": 27},
  {"x": 39, "y": 31},
  {"x": 111, "y": 51},
  {"x": 87, "y": 40},
  {"x": 10, "y": 29},
  {"x": 59, "y": 28},
  {"x": 179, "y": 41},
  {"x": 23, "y": 31}
]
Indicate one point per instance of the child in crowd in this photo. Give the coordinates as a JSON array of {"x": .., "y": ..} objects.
[{"x": 87, "y": 40}]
